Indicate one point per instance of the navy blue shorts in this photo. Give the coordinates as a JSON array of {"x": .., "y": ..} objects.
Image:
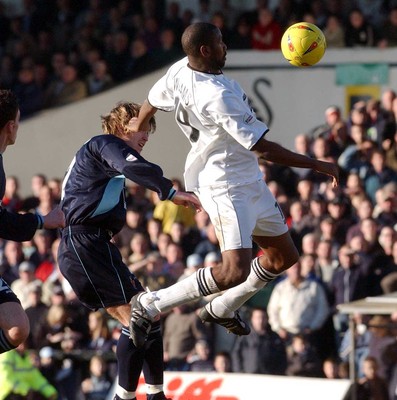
[
  {"x": 94, "y": 268},
  {"x": 6, "y": 294}
]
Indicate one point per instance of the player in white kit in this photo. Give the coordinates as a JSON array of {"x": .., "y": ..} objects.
[{"x": 222, "y": 169}]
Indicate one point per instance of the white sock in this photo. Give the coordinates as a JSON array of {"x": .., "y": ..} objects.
[
  {"x": 153, "y": 389},
  {"x": 124, "y": 394},
  {"x": 226, "y": 304},
  {"x": 199, "y": 284}
]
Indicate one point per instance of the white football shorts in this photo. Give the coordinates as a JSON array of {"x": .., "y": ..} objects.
[{"x": 238, "y": 212}]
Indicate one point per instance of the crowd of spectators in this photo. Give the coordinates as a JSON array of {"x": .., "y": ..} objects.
[
  {"x": 347, "y": 238},
  {"x": 56, "y": 52}
]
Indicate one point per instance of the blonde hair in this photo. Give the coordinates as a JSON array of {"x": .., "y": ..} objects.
[{"x": 116, "y": 122}]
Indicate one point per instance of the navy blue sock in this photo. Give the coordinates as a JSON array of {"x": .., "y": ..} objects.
[
  {"x": 129, "y": 361},
  {"x": 153, "y": 366},
  {"x": 157, "y": 396},
  {"x": 149, "y": 359}
]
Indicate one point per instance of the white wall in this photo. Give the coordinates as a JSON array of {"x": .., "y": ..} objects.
[
  {"x": 294, "y": 99},
  {"x": 235, "y": 386}
]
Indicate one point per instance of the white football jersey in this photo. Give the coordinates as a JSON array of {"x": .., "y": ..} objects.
[{"x": 214, "y": 114}]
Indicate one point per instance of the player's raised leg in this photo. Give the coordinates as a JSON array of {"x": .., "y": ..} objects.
[{"x": 279, "y": 253}]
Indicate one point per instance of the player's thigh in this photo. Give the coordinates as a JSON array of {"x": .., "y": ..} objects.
[
  {"x": 11, "y": 312},
  {"x": 95, "y": 270},
  {"x": 12, "y": 316},
  {"x": 279, "y": 252}
]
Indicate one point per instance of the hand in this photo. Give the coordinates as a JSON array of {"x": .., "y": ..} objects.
[
  {"x": 330, "y": 169},
  {"x": 187, "y": 200},
  {"x": 135, "y": 126},
  {"x": 54, "y": 219}
]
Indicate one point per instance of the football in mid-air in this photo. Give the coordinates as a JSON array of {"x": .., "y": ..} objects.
[{"x": 303, "y": 44}]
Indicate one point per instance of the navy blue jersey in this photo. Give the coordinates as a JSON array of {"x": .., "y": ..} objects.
[
  {"x": 93, "y": 188},
  {"x": 14, "y": 226}
]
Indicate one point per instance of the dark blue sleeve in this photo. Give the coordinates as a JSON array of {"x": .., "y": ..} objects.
[
  {"x": 133, "y": 166},
  {"x": 17, "y": 227},
  {"x": 14, "y": 226}
]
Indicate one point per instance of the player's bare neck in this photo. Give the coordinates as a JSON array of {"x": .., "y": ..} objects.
[{"x": 204, "y": 69}]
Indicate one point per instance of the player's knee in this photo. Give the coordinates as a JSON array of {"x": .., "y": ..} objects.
[
  {"x": 277, "y": 261},
  {"x": 291, "y": 258},
  {"x": 288, "y": 261},
  {"x": 18, "y": 334}
]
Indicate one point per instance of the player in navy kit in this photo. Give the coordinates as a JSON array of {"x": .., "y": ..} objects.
[
  {"x": 14, "y": 324},
  {"x": 94, "y": 205},
  {"x": 222, "y": 169}
]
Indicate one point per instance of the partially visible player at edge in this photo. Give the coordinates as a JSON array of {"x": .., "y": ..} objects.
[
  {"x": 14, "y": 323},
  {"x": 222, "y": 169},
  {"x": 93, "y": 199}
]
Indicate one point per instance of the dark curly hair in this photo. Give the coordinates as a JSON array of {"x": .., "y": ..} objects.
[{"x": 8, "y": 107}]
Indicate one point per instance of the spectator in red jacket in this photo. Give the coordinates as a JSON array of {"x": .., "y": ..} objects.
[{"x": 266, "y": 33}]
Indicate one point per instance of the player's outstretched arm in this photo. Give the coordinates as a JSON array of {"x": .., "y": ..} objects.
[
  {"x": 329, "y": 169},
  {"x": 142, "y": 122},
  {"x": 187, "y": 200},
  {"x": 272, "y": 151}
]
